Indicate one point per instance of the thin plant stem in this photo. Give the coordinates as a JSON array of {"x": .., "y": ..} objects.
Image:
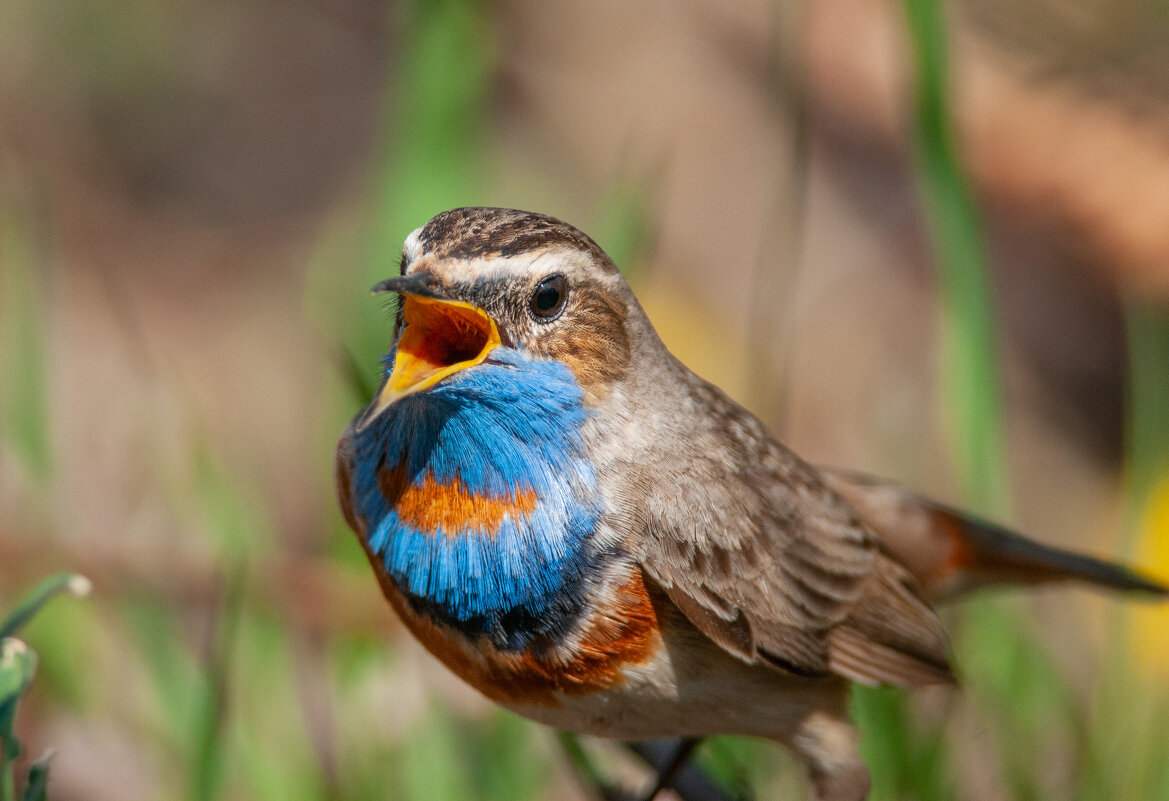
[{"x": 971, "y": 380}]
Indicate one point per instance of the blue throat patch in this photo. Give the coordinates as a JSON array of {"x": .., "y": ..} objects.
[{"x": 491, "y": 504}]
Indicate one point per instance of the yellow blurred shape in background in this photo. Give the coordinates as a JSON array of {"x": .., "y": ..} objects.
[
  {"x": 714, "y": 348},
  {"x": 1150, "y": 622}
]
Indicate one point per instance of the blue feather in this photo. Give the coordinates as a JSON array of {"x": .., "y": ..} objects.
[{"x": 506, "y": 426}]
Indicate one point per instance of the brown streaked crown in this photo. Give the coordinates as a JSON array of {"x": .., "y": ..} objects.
[{"x": 483, "y": 232}]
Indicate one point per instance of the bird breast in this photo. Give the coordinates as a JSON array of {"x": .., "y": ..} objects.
[{"x": 479, "y": 503}]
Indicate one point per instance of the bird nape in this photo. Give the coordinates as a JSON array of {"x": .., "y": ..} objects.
[{"x": 596, "y": 538}]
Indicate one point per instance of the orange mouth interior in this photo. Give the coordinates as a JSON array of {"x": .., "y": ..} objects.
[{"x": 440, "y": 338}]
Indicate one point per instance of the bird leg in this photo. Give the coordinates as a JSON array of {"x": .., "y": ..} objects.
[
  {"x": 827, "y": 744},
  {"x": 672, "y": 765}
]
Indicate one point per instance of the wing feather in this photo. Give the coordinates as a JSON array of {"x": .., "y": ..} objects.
[{"x": 770, "y": 563}]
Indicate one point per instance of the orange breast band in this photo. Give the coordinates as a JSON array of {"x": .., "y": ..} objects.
[{"x": 450, "y": 507}]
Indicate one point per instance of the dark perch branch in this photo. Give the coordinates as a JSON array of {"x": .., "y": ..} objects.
[{"x": 669, "y": 759}]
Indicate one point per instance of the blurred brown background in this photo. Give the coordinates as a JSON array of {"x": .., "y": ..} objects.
[{"x": 195, "y": 197}]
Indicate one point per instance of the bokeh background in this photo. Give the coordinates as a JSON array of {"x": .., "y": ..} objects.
[{"x": 928, "y": 241}]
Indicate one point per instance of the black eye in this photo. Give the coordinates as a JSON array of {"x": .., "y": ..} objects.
[{"x": 548, "y": 297}]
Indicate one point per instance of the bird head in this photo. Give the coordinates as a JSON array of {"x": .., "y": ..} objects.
[{"x": 477, "y": 283}]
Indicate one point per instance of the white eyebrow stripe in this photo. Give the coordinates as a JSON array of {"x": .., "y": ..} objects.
[
  {"x": 547, "y": 254},
  {"x": 413, "y": 244}
]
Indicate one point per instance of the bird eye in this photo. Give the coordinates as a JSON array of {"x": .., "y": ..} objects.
[{"x": 548, "y": 298}]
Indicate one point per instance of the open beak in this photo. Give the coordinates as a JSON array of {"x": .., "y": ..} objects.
[{"x": 440, "y": 337}]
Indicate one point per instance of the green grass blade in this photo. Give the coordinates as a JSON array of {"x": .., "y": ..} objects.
[
  {"x": 436, "y": 127},
  {"x": 38, "y": 779},
  {"x": 623, "y": 226},
  {"x": 582, "y": 764},
  {"x": 918, "y": 762},
  {"x": 908, "y": 760},
  {"x": 23, "y": 358},
  {"x": 209, "y": 736},
  {"x": 432, "y": 156},
  {"x": 971, "y": 377},
  {"x": 18, "y": 665},
  {"x": 72, "y": 583},
  {"x": 504, "y": 767},
  {"x": 434, "y": 767},
  {"x": 1148, "y": 407}
]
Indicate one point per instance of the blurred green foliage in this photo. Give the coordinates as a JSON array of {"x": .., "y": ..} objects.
[
  {"x": 971, "y": 379},
  {"x": 224, "y": 698},
  {"x": 24, "y": 415},
  {"x": 1148, "y": 419},
  {"x": 1027, "y": 706},
  {"x": 18, "y": 666}
]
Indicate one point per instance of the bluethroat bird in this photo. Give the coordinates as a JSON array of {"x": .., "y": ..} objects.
[{"x": 596, "y": 538}]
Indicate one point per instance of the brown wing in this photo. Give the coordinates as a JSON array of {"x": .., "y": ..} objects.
[{"x": 766, "y": 560}]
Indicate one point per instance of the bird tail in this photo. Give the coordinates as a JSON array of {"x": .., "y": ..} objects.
[{"x": 952, "y": 553}]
